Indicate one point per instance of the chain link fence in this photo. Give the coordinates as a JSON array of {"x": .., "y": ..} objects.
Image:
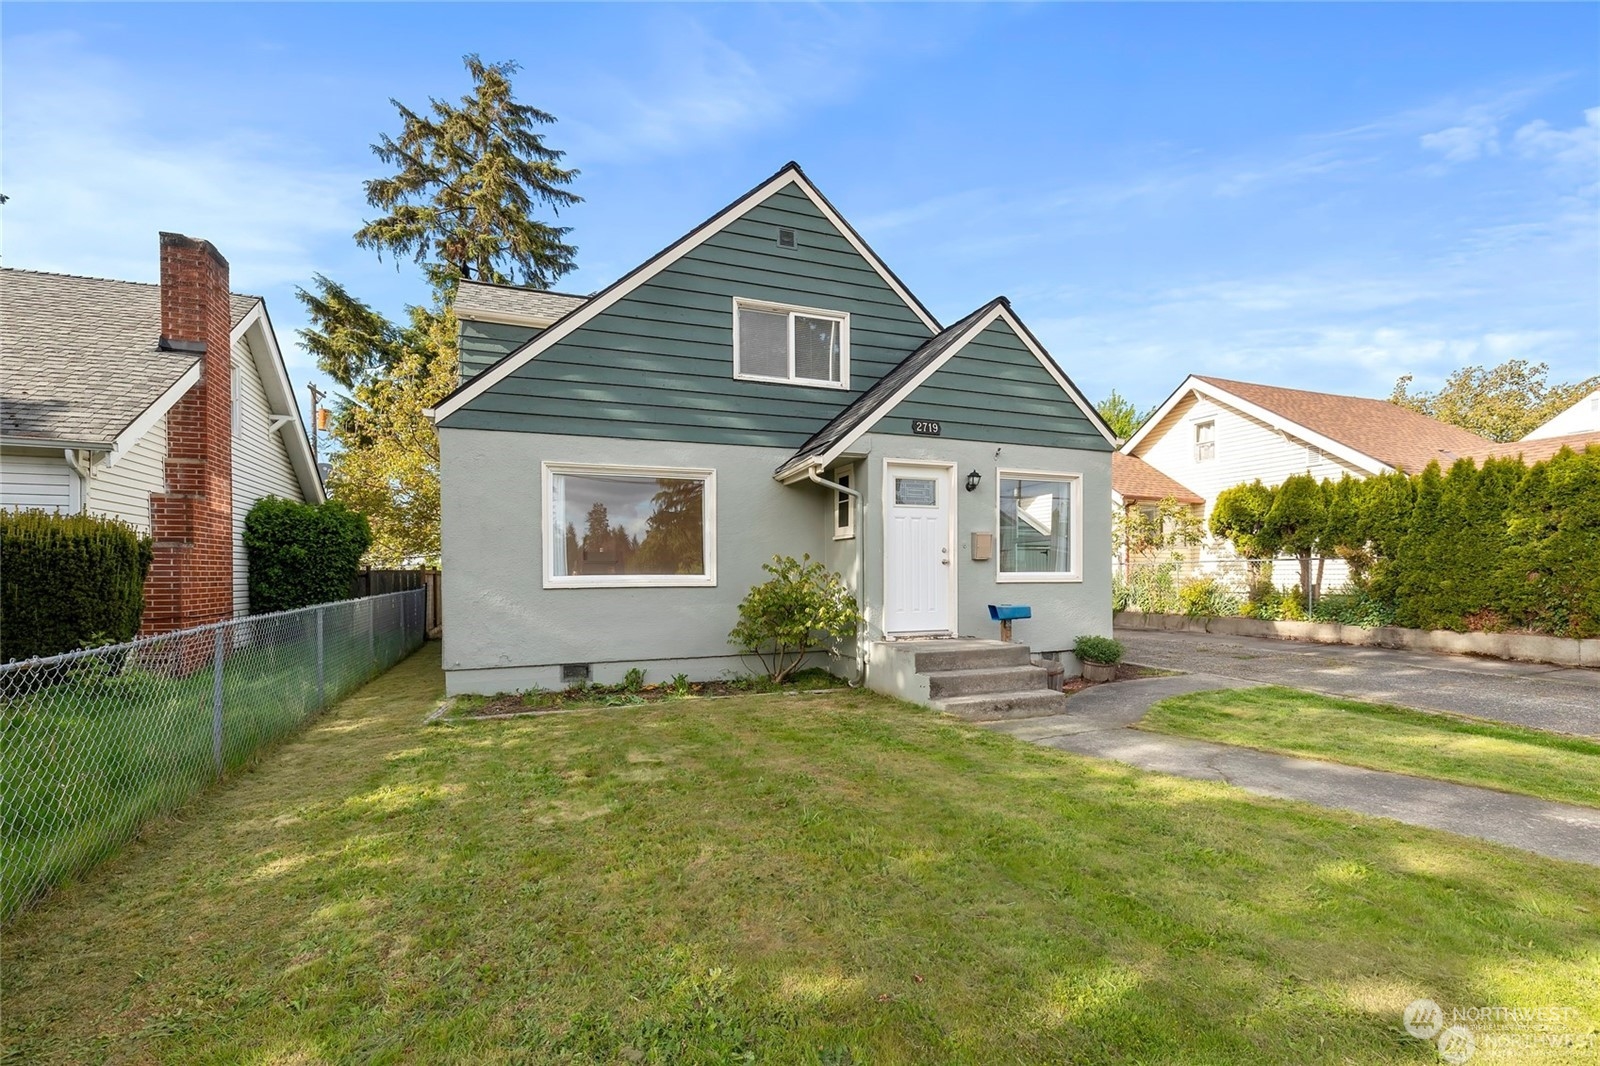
[{"x": 94, "y": 743}]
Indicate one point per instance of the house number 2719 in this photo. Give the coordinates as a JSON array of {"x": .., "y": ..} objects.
[{"x": 922, "y": 427}]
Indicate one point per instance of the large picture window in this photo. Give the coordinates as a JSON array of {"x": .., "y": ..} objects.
[
  {"x": 619, "y": 526},
  {"x": 802, "y": 345},
  {"x": 1039, "y": 526}
]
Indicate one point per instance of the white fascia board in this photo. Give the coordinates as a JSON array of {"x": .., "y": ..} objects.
[
  {"x": 1161, "y": 412},
  {"x": 574, "y": 320},
  {"x": 256, "y": 329},
  {"x": 147, "y": 419}
]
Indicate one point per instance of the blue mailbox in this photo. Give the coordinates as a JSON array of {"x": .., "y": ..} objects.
[{"x": 1006, "y": 613}]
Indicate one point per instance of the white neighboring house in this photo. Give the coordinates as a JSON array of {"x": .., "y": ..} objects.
[
  {"x": 1582, "y": 417},
  {"x": 1214, "y": 433},
  {"x": 88, "y": 381}
]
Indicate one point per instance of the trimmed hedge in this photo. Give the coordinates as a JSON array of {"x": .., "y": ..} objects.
[
  {"x": 1496, "y": 546},
  {"x": 302, "y": 554},
  {"x": 68, "y": 582}
]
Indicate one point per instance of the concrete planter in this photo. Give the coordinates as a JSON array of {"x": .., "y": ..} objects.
[
  {"x": 1099, "y": 671},
  {"x": 1527, "y": 647}
]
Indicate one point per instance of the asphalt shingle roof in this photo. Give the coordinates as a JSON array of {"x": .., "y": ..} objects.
[
  {"x": 479, "y": 298},
  {"x": 78, "y": 357},
  {"x": 882, "y": 391},
  {"x": 1395, "y": 435},
  {"x": 1535, "y": 450},
  {"x": 1135, "y": 479}
]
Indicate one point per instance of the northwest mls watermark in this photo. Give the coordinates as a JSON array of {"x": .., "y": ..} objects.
[{"x": 1490, "y": 1032}]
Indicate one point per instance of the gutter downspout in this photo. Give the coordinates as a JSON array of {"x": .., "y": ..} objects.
[{"x": 861, "y": 556}]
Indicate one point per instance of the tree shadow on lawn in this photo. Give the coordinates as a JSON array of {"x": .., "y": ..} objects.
[{"x": 851, "y": 881}]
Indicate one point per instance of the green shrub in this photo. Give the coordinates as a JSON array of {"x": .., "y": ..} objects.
[
  {"x": 1121, "y": 593},
  {"x": 1092, "y": 649},
  {"x": 1353, "y": 606},
  {"x": 1207, "y": 597},
  {"x": 68, "y": 582},
  {"x": 301, "y": 554},
  {"x": 1154, "y": 589},
  {"x": 801, "y": 609}
]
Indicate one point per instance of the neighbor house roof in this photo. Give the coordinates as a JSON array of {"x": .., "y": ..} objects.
[
  {"x": 484, "y": 302},
  {"x": 78, "y": 356},
  {"x": 1537, "y": 449},
  {"x": 1395, "y": 436},
  {"x": 1134, "y": 479}
]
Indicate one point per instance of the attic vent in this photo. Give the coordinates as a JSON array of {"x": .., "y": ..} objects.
[
  {"x": 786, "y": 238},
  {"x": 574, "y": 672}
]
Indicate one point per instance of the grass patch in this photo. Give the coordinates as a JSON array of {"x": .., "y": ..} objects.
[
  {"x": 843, "y": 879},
  {"x": 1381, "y": 737}
]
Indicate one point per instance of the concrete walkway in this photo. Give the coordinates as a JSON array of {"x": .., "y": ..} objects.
[
  {"x": 1097, "y": 722},
  {"x": 1559, "y": 699}
]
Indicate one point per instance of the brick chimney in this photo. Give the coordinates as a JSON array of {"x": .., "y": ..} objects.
[{"x": 191, "y": 523}]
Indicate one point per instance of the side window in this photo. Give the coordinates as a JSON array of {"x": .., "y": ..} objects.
[
  {"x": 1205, "y": 441},
  {"x": 844, "y": 508}
]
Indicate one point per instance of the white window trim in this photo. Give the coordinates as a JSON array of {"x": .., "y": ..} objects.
[
  {"x": 841, "y": 317},
  {"x": 848, "y": 531},
  {"x": 549, "y": 471},
  {"x": 1075, "y": 501},
  {"x": 1194, "y": 437}
]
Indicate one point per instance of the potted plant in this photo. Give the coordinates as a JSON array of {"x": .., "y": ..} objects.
[{"x": 1099, "y": 656}]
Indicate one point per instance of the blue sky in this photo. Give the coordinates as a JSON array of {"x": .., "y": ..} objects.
[{"x": 1322, "y": 196}]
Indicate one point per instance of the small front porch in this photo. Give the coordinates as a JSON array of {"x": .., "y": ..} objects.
[{"x": 978, "y": 680}]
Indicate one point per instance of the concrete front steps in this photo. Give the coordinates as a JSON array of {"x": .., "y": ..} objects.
[{"x": 979, "y": 680}]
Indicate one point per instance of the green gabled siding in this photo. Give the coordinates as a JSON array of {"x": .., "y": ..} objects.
[
  {"x": 658, "y": 364},
  {"x": 993, "y": 389},
  {"x": 484, "y": 343}
]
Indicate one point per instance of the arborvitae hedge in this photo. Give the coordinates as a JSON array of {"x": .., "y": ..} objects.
[
  {"x": 1490, "y": 547},
  {"x": 68, "y": 582},
  {"x": 301, "y": 554}
]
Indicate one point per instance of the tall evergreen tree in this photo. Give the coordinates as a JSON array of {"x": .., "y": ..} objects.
[{"x": 467, "y": 182}]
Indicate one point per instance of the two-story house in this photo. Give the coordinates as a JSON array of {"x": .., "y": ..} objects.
[{"x": 617, "y": 468}]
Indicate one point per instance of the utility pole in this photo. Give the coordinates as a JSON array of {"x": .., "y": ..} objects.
[{"x": 316, "y": 419}]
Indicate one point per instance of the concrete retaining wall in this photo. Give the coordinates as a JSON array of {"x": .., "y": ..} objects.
[{"x": 1528, "y": 647}]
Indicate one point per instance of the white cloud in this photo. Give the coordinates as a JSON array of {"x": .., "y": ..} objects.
[
  {"x": 91, "y": 184},
  {"x": 1462, "y": 144},
  {"x": 1577, "y": 147}
]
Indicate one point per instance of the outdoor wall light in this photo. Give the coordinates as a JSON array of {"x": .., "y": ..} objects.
[{"x": 972, "y": 481}]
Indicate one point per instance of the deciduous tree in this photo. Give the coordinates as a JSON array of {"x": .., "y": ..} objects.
[{"x": 1502, "y": 403}]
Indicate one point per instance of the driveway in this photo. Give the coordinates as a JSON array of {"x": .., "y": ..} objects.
[{"x": 1557, "y": 698}]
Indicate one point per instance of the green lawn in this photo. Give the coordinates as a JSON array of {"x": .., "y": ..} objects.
[
  {"x": 834, "y": 878},
  {"x": 90, "y": 756},
  {"x": 1509, "y": 758}
]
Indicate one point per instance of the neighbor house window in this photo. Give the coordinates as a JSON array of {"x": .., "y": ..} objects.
[
  {"x": 623, "y": 526},
  {"x": 773, "y": 342},
  {"x": 1205, "y": 441},
  {"x": 1039, "y": 526},
  {"x": 844, "y": 506}
]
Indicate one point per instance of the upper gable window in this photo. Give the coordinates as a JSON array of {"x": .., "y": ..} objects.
[
  {"x": 803, "y": 345},
  {"x": 1205, "y": 441}
]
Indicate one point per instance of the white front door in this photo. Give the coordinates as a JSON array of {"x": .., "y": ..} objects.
[{"x": 917, "y": 568}]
